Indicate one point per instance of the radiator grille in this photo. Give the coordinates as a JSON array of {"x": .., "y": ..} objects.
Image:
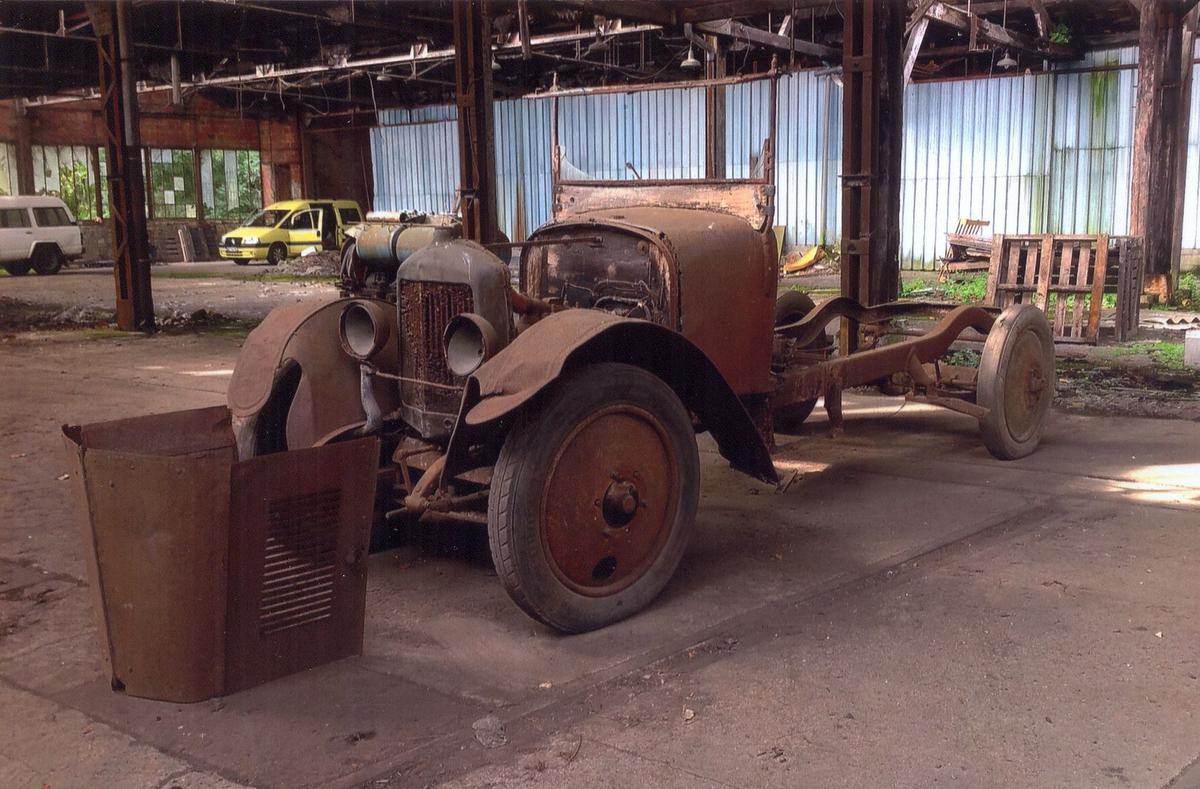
[
  {"x": 425, "y": 310},
  {"x": 299, "y": 561}
]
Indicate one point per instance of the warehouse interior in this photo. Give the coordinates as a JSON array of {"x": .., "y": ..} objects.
[{"x": 876, "y": 232}]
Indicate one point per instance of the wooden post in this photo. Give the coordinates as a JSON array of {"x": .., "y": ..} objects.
[
  {"x": 873, "y": 135},
  {"x": 714, "y": 113},
  {"x": 1155, "y": 143},
  {"x": 1185, "y": 117},
  {"x": 476, "y": 136}
]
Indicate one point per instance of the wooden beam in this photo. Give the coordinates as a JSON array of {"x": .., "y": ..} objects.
[
  {"x": 1043, "y": 18},
  {"x": 994, "y": 34},
  {"x": 1181, "y": 138},
  {"x": 912, "y": 47},
  {"x": 872, "y": 148},
  {"x": 1155, "y": 142},
  {"x": 727, "y": 28}
]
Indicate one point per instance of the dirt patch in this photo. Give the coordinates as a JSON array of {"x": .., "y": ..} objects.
[
  {"x": 1113, "y": 389},
  {"x": 18, "y": 318},
  {"x": 327, "y": 263}
]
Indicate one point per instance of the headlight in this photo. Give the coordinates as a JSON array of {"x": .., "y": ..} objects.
[
  {"x": 470, "y": 341},
  {"x": 250, "y": 240},
  {"x": 365, "y": 328}
]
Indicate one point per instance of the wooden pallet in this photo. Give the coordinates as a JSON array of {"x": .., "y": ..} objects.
[{"x": 1062, "y": 275}]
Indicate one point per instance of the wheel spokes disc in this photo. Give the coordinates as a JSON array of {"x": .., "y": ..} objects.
[
  {"x": 1027, "y": 389},
  {"x": 610, "y": 500}
]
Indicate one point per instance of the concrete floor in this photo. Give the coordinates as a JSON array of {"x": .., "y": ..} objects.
[
  {"x": 220, "y": 287},
  {"x": 909, "y": 612}
]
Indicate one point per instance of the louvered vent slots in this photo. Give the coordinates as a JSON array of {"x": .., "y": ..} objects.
[
  {"x": 425, "y": 310},
  {"x": 299, "y": 561}
]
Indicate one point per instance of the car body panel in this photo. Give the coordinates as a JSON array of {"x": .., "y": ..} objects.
[
  {"x": 699, "y": 253},
  {"x": 551, "y": 347},
  {"x": 18, "y": 243},
  {"x": 328, "y": 396},
  {"x": 326, "y": 228}
]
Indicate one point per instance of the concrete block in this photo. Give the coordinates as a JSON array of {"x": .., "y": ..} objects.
[{"x": 1191, "y": 348}]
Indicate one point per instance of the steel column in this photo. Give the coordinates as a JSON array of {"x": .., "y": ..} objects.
[
  {"x": 476, "y": 134},
  {"x": 118, "y": 97}
]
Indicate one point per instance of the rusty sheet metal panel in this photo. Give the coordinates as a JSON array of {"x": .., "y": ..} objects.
[
  {"x": 152, "y": 498},
  {"x": 301, "y": 522},
  {"x": 710, "y": 251},
  {"x": 540, "y": 354},
  {"x": 179, "y": 537},
  {"x": 327, "y": 396}
]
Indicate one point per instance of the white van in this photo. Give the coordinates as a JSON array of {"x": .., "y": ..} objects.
[{"x": 38, "y": 233}]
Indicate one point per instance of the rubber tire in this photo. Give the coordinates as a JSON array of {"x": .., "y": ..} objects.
[
  {"x": 276, "y": 253},
  {"x": 519, "y": 478},
  {"x": 789, "y": 308},
  {"x": 18, "y": 269},
  {"x": 47, "y": 260},
  {"x": 997, "y": 350}
]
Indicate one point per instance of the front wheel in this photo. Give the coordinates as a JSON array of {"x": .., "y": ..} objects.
[
  {"x": 18, "y": 269},
  {"x": 1016, "y": 382},
  {"x": 593, "y": 497},
  {"x": 47, "y": 260},
  {"x": 276, "y": 253}
]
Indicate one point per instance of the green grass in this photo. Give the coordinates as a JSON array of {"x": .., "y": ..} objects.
[{"x": 1161, "y": 352}]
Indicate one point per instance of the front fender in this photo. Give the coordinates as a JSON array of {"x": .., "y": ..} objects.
[
  {"x": 543, "y": 352},
  {"x": 303, "y": 340}
]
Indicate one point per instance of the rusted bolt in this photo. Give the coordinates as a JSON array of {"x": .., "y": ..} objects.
[{"x": 620, "y": 503}]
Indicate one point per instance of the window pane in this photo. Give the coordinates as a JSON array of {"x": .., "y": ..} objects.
[
  {"x": 172, "y": 183},
  {"x": 104, "y": 195},
  {"x": 14, "y": 217},
  {"x": 8, "y": 169},
  {"x": 51, "y": 217},
  {"x": 231, "y": 183},
  {"x": 66, "y": 171}
]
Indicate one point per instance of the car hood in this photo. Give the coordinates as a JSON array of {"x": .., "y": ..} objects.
[{"x": 243, "y": 232}]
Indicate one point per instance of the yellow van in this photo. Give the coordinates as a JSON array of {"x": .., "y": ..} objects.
[{"x": 283, "y": 230}]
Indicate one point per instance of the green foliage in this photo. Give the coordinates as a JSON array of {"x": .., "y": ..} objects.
[
  {"x": 1187, "y": 292},
  {"x": 1060, "y": 34},
  {"x": 963, "y": 358},
  {"x": 970, "y": 290}
]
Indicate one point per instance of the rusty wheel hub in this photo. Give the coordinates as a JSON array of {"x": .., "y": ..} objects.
[
  {"x": 610, "y": 500},
  {"x": 1026, "y": 395}
]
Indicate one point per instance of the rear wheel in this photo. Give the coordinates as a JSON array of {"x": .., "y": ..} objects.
[
  {"x": 18, "y": 269},
  {"x": 593, "y": 498},
  {"x": 276, "y": 253},
  {"x": 1016, "y": 382},
  {"x": 47, "y": 260},
  {"x": 789, "y": 308}
]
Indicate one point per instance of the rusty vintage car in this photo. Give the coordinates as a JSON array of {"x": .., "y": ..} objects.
[{"x": 562, "y": 413}]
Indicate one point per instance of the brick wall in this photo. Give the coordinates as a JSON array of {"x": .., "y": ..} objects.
[
  {"x": 199, "y": 123},
  {"x": 163, "y": 233}
]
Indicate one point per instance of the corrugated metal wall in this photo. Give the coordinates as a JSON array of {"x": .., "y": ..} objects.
[{"x": 1044, "y": 153}]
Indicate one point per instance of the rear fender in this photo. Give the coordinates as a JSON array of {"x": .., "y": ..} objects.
[
  {"x": 541, "y": 354},
  {"x": 293, "y": 371}
]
